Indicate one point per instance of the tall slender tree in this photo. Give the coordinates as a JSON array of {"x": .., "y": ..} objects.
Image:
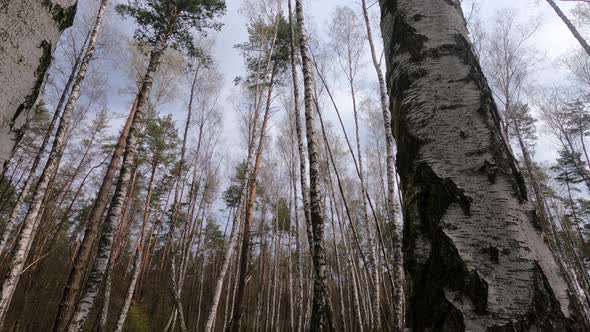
[
  {"x": 398, "y": 277},
  {"x": 320, "y": 308},
  {"x": 161, "y": 142},
  {"x": 31, "y": 221},
  {"x": 91, "y": 233},
  {"x": 570, "y": 25},
  {"x": 299, "y": 127},
  {"x": 275, "y": 49},
  {"x": 161, "y": 24},
  {"x": 347, "y": 43}
]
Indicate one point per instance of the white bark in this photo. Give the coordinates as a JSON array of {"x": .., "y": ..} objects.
[
  {"x": 398, "y": 315},
  {"x": 137, "y": 258},
  {"x": 104, "y": 313},
  {"x": 468, "y": 220},
  {"x": 20, "y": 201},
  {"x": 299, "y": 130},
  {"x": 105, "y": 245},
  {"x": 320, "y": 312},
  {"x": 299, "y": 251},
  {"x": 32, "y": 220},
  {"x": 376, "y": 298},
  {"x": 176, "y": 295},
  {"x": 225, "y": 266}
]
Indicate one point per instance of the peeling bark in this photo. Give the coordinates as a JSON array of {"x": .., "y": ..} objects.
[{"x": 475, "y": 261}]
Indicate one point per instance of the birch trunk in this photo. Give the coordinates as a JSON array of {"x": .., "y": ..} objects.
[
  {"x": 178, "y": 192},
  {"x": 227, "y": 300},
  {"x": 176, "y": 295},
  {"x": 12, "y": 219},
  {"x": 275, "y": 286},
  {"x": 339, "y": 284},
  {"x": 299, "y": 130},
  {"x": 104, "y": 313},
  {"x": 201, "y": 284},
  {"x": 234, "y": 285},
  {"x": 319, "y": 316},
  {"x": 138, "y": 257},
  {"x": 123, "y": 225},
  {"x": 225, "y": 266},
  {"x": 468, "y": 221},
  {"x": 260, "y": 304},
  {"x": 233, "y": 237},
  {"x": 539, "y": 201},
  {"x": 105, "y": 245},
  {"x": 81, "y": 260},
  {"x": 376, "y": 298},
  {"x": 298, "y": 250},
  {"x": 235, "y": 322},
  {"x": 398, "y": 319},
  {"x": 156, "y": 227},
  {"x": 570, "y": 26},
  {"x": 291, "y": 288},
  {"x": 31, "y": 222},
  {"x": 267, "y": 301}
]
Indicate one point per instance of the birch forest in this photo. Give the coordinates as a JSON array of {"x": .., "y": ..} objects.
[{"x": 294, "y": 165}]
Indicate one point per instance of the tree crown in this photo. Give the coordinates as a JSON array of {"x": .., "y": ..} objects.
[{"x": 175, "y": 19}]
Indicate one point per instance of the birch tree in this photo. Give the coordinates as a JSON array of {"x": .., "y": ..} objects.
[
  {"x": 320, "y": 309},
  {"x": 161, "y": 24},
  {"x": 161, "y": 141},
  {"x": 398, "y": 303},
  {"x": 468, "y": 218},
  {"x": 347, "y": 43},
  {"x": 298, "y": 125},
  {"x": 508, "y": 60},
  {"x": 31, "y": 220},
  {"x": 274, "y": 48},
  {"x": 570, "y": 25}
]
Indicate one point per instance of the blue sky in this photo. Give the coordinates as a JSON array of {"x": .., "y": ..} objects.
[{"x": 552, "y": 40}]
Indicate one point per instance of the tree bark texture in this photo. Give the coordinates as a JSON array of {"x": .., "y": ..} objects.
[
  {"x": 31, "y": 222},
  {"x": 29, "y": 31},
  {"x": 319, "y": 317},
  {"x": 474, "y": 253}
]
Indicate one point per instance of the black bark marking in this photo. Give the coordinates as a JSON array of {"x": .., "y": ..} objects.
[
  {"x": 491, "y": 170},
  {"x": 440, "y": 286},
  {"x": 493, "y": 252},
  {"x": 64, "y": 17}
]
